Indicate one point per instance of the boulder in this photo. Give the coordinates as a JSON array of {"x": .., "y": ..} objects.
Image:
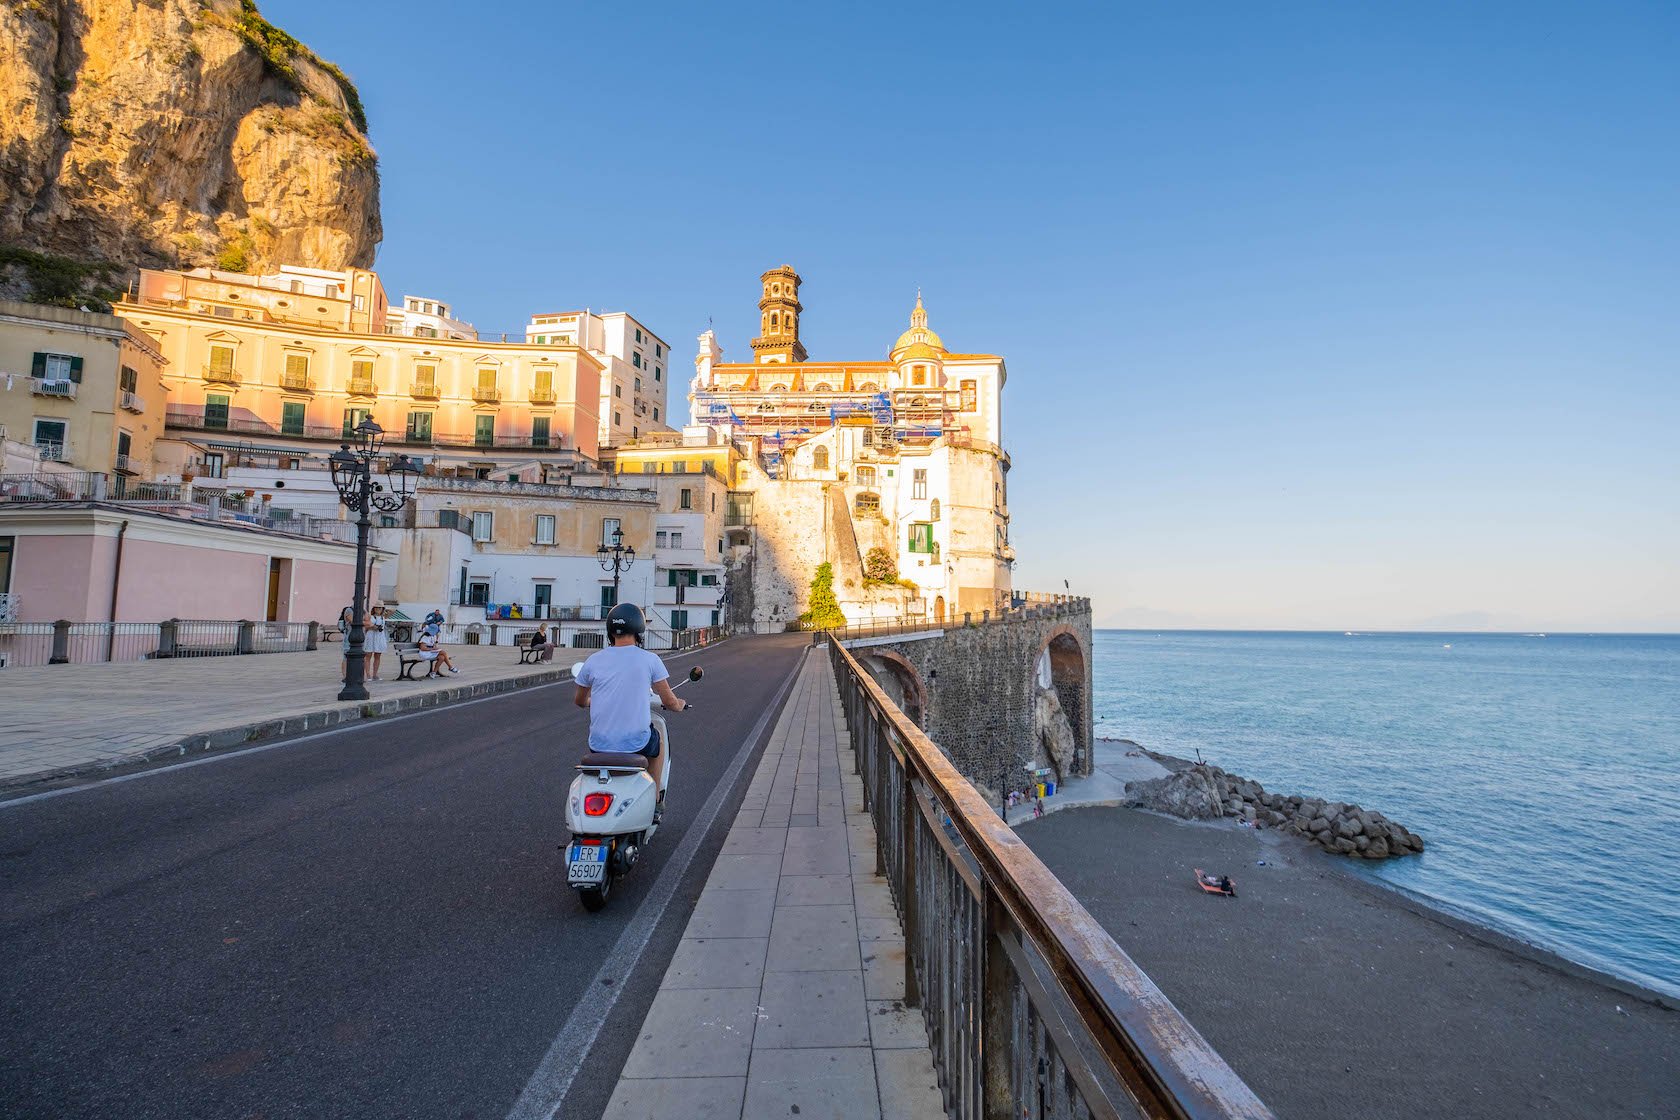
[
  {"x": 1377, "y": 849},
  {"x": 1319, "y": 825},
  {"x": 1362, "y": 842},
  {"x": 1343, "y": 845},
  {"x": 1348, "y": 827},
  {"x": 1192, "y": 793}
]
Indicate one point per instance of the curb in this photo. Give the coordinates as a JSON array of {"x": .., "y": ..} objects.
[{"x": 346, "y": 712}]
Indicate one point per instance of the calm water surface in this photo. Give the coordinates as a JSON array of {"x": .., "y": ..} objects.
[{"x": 1543, "y": 771}]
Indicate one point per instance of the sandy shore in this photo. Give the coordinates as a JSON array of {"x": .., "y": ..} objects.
[{"x": 1335, "y": 998}]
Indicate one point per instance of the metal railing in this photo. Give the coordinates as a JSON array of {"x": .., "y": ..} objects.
[
  {"x": 424, "y": 390},
  {"x": 10, "y": 602},
  {"x": 53, "y": 387},
  {"x": 297, "y": 383},
  {"x": 1031, "y": 1008},
  {"x": 878, "y": 629},
  {"x": 486, "y": 394},
  {"x": 133, "y": 402},
  {"x": 363, "y": 387},
  {"x": 83, "y": 643},
  {"x": 220, "y": 376},
  {"x": 542, "y": 396}
]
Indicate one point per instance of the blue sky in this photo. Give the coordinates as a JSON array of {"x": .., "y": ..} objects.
[{"x": 1316, "y": 315}]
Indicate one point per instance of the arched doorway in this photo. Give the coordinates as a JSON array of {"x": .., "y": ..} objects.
[
  {"x": 939, "y": 608},
  {"x": 899, "y": 680},
  {"x": 1062, "y": 714}
]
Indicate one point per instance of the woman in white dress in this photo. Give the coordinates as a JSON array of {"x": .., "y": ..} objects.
[{"x": 373, "y": 641}]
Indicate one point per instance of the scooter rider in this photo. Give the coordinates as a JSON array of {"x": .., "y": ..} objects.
[{"x": 614, "y": 683}]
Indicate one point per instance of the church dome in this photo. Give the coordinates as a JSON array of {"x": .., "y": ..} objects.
[{"x": 919, "y": 338}]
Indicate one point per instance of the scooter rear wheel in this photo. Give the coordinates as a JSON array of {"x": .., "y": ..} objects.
[{"x": 595, "y": 898}]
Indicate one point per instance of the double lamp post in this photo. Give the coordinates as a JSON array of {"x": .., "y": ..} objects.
[
  {"x": 616, "y": 559},
  {"x": 353, "y": 475}
]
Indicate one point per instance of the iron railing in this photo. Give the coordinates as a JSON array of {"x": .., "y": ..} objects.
[
  {"x": 133, "y": 401},
  {"x": 53, "y": 387},
  {"x": 1032, "y": 1010},
  {"x": 81, "y": 643}
]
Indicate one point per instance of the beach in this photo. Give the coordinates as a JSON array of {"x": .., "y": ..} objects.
[{"x": 1334, "y": 997}]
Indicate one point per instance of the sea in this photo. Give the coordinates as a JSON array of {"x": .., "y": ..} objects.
[{"x": 1543, "y": 770}]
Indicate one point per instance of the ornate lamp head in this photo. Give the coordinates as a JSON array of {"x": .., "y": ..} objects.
[
  {"x": 346, "y": 474},
  {"x": 370, "y": 437}
]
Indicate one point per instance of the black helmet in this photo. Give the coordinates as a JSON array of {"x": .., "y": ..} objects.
[{"x": 626, "y": 618}]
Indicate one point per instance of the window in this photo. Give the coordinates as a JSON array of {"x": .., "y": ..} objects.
[
  {"x": 7, "y": 545},
  {"x": 484, "y": 430},
  {"x": 539, "y": 431},
  {"x": 543, "y": 390},
  {"x": 483, "y": 525},
  {"x": 869, "y": 436},
  {"x": 868, "y": 502},
  {"x": 636, "y": 360},
  {"x": 708, "y": 579},
  {"x": 638, "y": 384},
  {"x": 921, "y": 537},
  {"x": 685, "y": 499},
  {"x": 51, "y": 436},
  {"x": 714, "y": 503},
  {"x": 545, "y": 528},
  {"x": 609, "y": 526},
  {"x": 679, "y": 620},
  {"x": 425, "y": 375},
  {"x": 657, "y": 371},
  {"x": 933, "y": 510},
  {"x": 658, "y": 350},
  {"x": 656, "y": 414},
  {"x": 618, "y": 391},
  {"x": 361, "y": 369},
  {"x": 221, "y": 360},
  {"x": 57, "y": 367},
  {"x": 215, "y": 410},
  {"x": 970, "y": 396},
  {"x": 649, "y": 467},
  {"x": 214, "y": 462},
  {"x": 128, "y": 381},
  {"x": 420, "y": 427},
  {"x": 819, "y": 458},
  {"x": 680, "y": 466},
  {"x": 638, "y": 334},
  {"x": 478, "y": 593},
  {"x": 866, "y": 476},
  {"x": 676, "y": 540},
  {"x": 609, "y": 599},
  {"x": 353, "y": 417},
  {"x": 918, "y": 484},
  {"x": 661, "y": 539},
  {"x": 542, "y": 594},
  {"x": 487, "y": 379},
  {"x": 359, "y": 303},
  {"x": 918, "y": 375},
  {"x": 617, "y": 420},
  {"x": 680, "y": 577},
  {"x": 291, "y": 418}
]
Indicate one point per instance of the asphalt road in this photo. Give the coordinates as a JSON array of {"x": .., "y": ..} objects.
[{"x": 366, "y": 923}]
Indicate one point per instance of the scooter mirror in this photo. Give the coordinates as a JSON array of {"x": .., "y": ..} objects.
[{"x": 695, "y": 673}]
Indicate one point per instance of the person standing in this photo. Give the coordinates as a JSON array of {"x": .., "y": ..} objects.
[{"x": 374, "y": 641}]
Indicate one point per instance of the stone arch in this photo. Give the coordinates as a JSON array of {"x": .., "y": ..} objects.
[
  {"x": 898, "y": 678},
  {"x": 1061, "y": 657}
]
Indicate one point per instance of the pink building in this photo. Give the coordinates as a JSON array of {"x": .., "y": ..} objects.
[{"x": 113, "y": 562}]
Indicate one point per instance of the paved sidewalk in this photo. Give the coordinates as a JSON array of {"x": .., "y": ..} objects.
[
  {"x": 69, "y": 719},
  {"x": 1117, "y": 762},
  {"x": 785, "y": 995}
]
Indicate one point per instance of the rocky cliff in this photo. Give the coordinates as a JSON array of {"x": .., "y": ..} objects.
[{"x": 178, "y": 132}]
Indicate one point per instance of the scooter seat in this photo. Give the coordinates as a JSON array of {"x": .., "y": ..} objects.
[{"x": 612, "y": 759}]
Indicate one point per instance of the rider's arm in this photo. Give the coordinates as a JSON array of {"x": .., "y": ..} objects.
[
  {"x": 582, "y": 697},
  {"x": 668, "y": 700}
]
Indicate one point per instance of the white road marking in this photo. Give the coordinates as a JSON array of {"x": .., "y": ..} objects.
[
  {"x": 546, "y": 1091},
  {"x": 353, "y": 725}
]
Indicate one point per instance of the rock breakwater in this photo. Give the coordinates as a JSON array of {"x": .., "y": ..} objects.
[{"x": 1197, "y": 791}]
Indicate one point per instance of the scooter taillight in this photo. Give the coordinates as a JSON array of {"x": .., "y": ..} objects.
[{"x": 596, "y": 804}]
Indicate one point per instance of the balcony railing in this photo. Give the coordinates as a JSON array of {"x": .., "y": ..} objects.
[
  {"x": 297, "y": 383},
  {"x": 10, "y": 603},
  {"x": 487, "y": 394},
  {"x": 1031, "y": 1007},
  {"x": 122, "y": 464},
  {"x": 220, "y": 376},
  {"x": 363, "y": 387},
  {"x": 542, "y": 396},
  {"x": 195, "y": 421},
  {"x": 133, "y": 402},
  {"x": 52, "y": 451},
  {"x": 44, "y": 387},
  {"x": 424, "y": 390}
]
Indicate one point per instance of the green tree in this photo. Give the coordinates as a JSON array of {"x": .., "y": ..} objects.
[{"x": 825, "y": 608}]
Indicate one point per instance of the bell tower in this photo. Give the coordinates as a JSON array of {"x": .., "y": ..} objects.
[{"x": 778, "y": 318}]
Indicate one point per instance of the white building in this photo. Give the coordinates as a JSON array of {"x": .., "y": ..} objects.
[
  {"x": 636, "y": 376},
  {"x": 420, "y": 317}
]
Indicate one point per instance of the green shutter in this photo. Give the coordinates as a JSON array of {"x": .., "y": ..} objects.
[
  {"x": 38, "y": 367},
  {"x": 76, "y": 370}
]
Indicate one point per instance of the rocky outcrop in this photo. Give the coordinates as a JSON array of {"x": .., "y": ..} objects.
[
  {"x": 1202, "y": 792},
  {"x": 178, "y": 132},
  {"x": 1056, "y": 742}
]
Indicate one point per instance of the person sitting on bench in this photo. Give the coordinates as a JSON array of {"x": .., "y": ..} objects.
[{"x": 431, "y": 651}]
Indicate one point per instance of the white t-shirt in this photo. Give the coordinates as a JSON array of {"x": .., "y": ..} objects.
[{"x": 619, "y": 679}]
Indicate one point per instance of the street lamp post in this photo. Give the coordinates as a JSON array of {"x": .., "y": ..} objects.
[
  {"x": 616, "y": 559},
  {"x": 352, "y": 474}
]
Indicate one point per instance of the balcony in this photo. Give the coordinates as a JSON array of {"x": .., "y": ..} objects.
[
  {"x": 122, "y": 465},
  {"x": 542, "y": 396},
  {"x": 220, "y": 376},
  {"x": 10, "y": 603},
  {"x": 424, "y": 391},
  {"x": 487, "y": 394},
  {"x": 133, "y": 402},
  {"x": 297, "y": 383},
  {"x": 52, "y": 452},
  {"x": 63, "y": 389},
  {"x": 363, "y": 387}
]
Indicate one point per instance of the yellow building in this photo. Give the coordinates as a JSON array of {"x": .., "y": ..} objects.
[
  {"x": 85, "y": 389},
  {"x": 692, "y": 451},
  {"x": 294, "y": 359}
]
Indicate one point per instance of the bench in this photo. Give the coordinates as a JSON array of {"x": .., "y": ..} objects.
[
  {"x": 408, "y": 656},
  {"x": 522, "y": 642}
]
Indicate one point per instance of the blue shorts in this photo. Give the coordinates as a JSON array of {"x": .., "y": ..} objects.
[{"x": 651, "y": 750}]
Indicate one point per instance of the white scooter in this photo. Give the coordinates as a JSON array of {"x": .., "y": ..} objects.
[{"x": 610, "y": 811}]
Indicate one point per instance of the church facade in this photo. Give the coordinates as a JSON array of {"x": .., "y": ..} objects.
[{"x": 892, "y": 470}]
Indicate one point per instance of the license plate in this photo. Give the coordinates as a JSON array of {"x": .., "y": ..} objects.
[{"x": 585, "y": 863}]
